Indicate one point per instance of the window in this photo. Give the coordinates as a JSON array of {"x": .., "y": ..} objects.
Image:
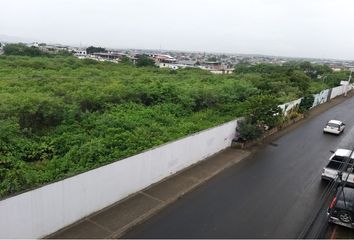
[{"x": 333, "y": 125}]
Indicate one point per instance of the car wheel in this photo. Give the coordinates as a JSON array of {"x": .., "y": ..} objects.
[{"x": 345, "y": 217}]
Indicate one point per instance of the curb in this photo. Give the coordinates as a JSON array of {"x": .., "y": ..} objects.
[{"x": 158, "y": 209}]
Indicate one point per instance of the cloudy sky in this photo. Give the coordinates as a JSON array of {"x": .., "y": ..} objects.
[{"x": 299, "y": 28}]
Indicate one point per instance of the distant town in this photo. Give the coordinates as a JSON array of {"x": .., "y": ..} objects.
[{"x": 217, "y": 63}]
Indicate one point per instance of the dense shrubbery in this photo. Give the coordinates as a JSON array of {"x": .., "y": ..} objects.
[
  {"x": 60, "y": 116},
  {"x": 22, "y": 50},
  {"x": 93, "y": 49},
  {"x": 248, "y": 131},
  {"x": 306, "y": 103}
]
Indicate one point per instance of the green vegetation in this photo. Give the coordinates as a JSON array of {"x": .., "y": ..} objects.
[
  {"x": 263, "y": 110},
  {"x": 60, "y": 116},
  {"x": 306, "y": 103},
  {"x": 144, "y": 61},
  {"x": 93, "y": 49},
  {"x": 22, "y": 50},
  {"x": 248, "y": 131}
]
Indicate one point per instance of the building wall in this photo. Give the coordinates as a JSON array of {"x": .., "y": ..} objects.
[{"x": 42, "y": 211}]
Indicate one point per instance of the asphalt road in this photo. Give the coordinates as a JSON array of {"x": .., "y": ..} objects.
[{"x": 272, "y": 194}]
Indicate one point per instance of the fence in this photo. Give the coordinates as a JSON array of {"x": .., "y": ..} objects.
[
  {"x": 39, "y": 212},
  {"x": 319, "y": 98}
]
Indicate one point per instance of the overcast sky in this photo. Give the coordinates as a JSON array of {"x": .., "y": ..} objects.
[{"x": 299, "y": 28}]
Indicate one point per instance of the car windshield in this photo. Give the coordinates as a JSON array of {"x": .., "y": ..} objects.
[
  {"x": 337, "y": 165},
  {"x": 332, "y": 125},
  {"x": 339, "y": 158}
]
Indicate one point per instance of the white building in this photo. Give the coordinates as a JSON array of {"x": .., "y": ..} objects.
[
  {"x": 162, "y": 58},
  {"x": 168, "y": 65},
  {"x": 79, "y": 52}
]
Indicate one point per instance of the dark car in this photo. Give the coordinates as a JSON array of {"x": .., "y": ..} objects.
[{"x": 341, "y": 209}]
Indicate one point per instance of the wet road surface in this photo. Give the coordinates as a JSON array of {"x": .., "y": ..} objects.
[{"x": 272, "y": 194}]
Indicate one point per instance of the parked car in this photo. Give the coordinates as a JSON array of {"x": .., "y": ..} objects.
[
  {"x": 341, "y": 209},
  {"x": 334, "y": 126},
  {"x": 336, "y": 164}
]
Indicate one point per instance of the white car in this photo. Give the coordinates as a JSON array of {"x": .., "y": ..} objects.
[
  {"x": 334, "y": 126},
  {"x": 336, "y": 164}
]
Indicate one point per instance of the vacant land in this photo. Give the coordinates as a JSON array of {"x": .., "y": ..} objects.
[{"x": 60, "y": 116}]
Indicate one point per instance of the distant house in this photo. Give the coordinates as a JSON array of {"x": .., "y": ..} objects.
[
  {"x": 113, "y": 56},
  {"x": 168, "y": 65},
  {"x": 106, "y": 56},
  {"x": 161, "y": 58},
  {"x": 34, "y": 44},
  {"x": 173, "y": 66},
  {"x": 223, "y": 71},
  {"x": 188, "y": 63},
  {"x": 216, "y": 68},
  {"x": 79, "y": 52}
]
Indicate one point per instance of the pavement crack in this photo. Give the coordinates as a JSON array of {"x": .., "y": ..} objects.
[
  {"x": 100, "y": 226},
  {"x": 152, "y": 197}
]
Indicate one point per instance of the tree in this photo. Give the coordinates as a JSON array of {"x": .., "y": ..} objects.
[
  {"x": 247, "y": 131},
  {"x": 300, "y": 80},
  {"x": 93, "y": 49},
  {"x": 306, "y": 103},
  {"x": 263, "y": 110},
  {"x": 125, "y": 60},
  {"x": 144, "y": 61},
  {"x": 22, "y": 50},
  {"x": 212, "y": 59}
]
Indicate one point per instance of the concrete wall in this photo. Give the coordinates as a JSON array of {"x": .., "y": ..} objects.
[
  {"x": 340, "y": 90},
  {"x": 42, "y": 211},
  {"x": 321, "y": 97},
  {"x": 337, "y": 91},
  {"x": 288, "y": 107}
]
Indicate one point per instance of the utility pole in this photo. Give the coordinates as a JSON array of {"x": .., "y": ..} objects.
[{"x": 347, "y": 85}]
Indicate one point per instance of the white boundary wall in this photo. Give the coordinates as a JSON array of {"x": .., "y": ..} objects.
[
  {"x": 321, "y": 97},
  {"x": 337, "y": 91},
  {"x": 42, "y": 211},
  {"x": 287, "y": 107}
]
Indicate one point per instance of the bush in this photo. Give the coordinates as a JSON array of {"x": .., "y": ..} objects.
[
  {"x": 248, "y": 131},
  {"x": 263, "y": 110},
  {"x": 294, "y": 115},
  {"x": 144, "y": 61},
  {"x": 306, "y": 103},
  {"x": 22, "y": 50}
]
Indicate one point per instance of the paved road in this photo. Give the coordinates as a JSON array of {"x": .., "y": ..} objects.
[{"x": 270, "y": 195}]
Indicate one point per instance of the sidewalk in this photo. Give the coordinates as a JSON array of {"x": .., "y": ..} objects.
[{"x": 113, "y": 221}]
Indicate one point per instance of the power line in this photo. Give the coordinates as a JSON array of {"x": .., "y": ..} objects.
[{"x": 329, "y": 192}]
